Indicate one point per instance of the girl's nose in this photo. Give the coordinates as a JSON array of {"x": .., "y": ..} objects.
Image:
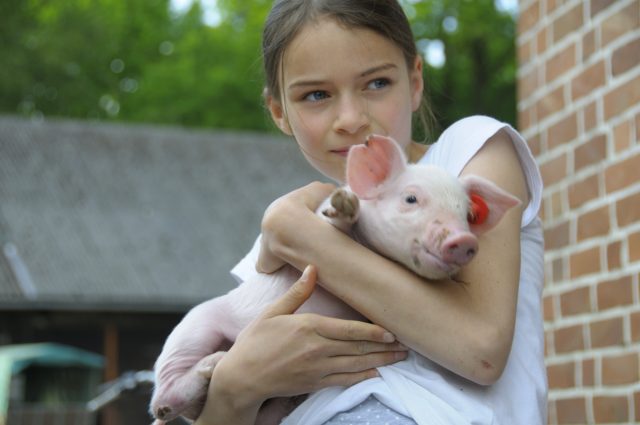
[{"x": 352, "y": 116}]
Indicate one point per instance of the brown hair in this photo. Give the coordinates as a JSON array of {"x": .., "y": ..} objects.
[{"x": 287, "y": 17}]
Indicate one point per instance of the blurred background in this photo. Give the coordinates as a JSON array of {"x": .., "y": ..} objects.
[
  {"x": 133, "y": 144},
  {"x": 197, "y": 63}
]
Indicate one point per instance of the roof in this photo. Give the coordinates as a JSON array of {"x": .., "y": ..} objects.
[{"x": 131, "y": 217}]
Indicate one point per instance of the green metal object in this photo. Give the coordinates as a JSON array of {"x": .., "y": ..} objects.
[{"x": 16, "y": 358}]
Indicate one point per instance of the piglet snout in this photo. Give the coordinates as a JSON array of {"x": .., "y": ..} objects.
[{"x": 459, "y": 249}]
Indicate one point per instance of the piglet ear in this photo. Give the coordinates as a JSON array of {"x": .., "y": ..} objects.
[
  {"x": 487, "y": 203},
  {"x": 373, "y": 164}
]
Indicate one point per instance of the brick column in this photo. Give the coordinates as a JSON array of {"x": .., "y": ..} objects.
[{"x": 579, "y": 108}]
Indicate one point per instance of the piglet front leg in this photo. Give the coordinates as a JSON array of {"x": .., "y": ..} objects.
[{"x": 342, "y": 210}]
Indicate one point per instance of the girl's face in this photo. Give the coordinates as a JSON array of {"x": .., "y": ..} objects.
[{"x": 340, "y": 85}]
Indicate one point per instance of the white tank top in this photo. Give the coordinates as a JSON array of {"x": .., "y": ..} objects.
[{"x": 423, "y": 390}]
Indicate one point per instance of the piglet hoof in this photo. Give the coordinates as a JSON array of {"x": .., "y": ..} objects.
[
  {"x": 205, "y": 367},
  {"x": 345, "y": 206},
  {"x": 163, "y": 412}
]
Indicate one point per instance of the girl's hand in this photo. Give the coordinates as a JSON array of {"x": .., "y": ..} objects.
[
  {"x": 285, "y": 354},
  {"x": 285, "y": 213}
]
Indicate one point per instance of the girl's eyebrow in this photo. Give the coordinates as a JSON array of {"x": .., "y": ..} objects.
[
  {"x": 365, "y": 73},
  {"x": 375, "y": 69}
]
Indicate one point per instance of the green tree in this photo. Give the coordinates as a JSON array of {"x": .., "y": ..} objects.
[
  {"x": 135, "y": 61},
  {"x": 479, "y": 72}
]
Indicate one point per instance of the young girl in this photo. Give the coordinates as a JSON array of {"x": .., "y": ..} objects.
[{"x": 337, "y": 71}]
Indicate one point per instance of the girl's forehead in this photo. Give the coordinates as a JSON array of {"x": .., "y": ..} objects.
[{"x": 326, "y": 46}]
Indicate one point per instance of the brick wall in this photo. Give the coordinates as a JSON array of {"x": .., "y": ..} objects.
[{"x": 579, "y": 107}]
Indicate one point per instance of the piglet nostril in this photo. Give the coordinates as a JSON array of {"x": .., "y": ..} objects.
[{"x": 459, "y": 249}]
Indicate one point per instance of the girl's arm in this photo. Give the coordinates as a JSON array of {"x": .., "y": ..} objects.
[
  {"x": 285, "y": 354},
  {"x": 466, "y": 327}
]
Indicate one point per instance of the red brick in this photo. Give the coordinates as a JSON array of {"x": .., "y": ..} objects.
[
  {"x": 548, "y": 343},
  {"x": 591, "y": 152},
  {"x": 550, "y": 104},
  {"x": 584, "y": 262},
  {"x": 547, "y": 308},
  {"x": 541, "y": 40},
  {"x": 561, "y": 375},
  {"x": 583, "y": 191},
  {"x": 607, "y": 333},
  {"x": 594, "y": 223},
  {"x": 560, "y": 63},
  {"x": 525, "y": 118},
  {"x": 634, "y": 247},
  {"x": 558, "y": 270},
  {"x": 568, "y": 23},
  {"x": 557, "y": 204},
  {"x": 620, "y": 369},
  {"x": 588, "y": 372},
  {"x": 614, "y": 258},
  {"x": 622, "y": 98},
  {"x": 569, "y": 339},
  {"x": 557, "y": 236},
  {"x": 614, "y": 293},
  {"x": 636, "y": 404},
  {"x": 588, "y": 80},
  {"x": 634, "y": 318},
  {"x": 564, "y": 131},
  {"x": 588, "y": 45},
  {"x": 554, "y": 170},
  {"x": 622, "y": 136},
  {"x": 571, "y": 411},
  {"x": 524, "y": 53},
  {"x": 535, "y": 145},
  {"x": 598, "y": 6},
  {"x": 626, "y": 57},
  {"x": 529, "y": 17},
  {"x": 614, "y": 409},
  {"x": 628, "y": 210},
  {"x": 622, "y": 174},
  {"x": 623, "y": 22},
  {"x": 590, "y": 116},
  {"x": 528, "y": 84},
  {"x": 576, "y": 301}
]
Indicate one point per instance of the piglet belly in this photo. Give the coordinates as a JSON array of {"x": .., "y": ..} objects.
[
  {"x": 248, "y": 300},
  {"x": 326, "y": 304}
]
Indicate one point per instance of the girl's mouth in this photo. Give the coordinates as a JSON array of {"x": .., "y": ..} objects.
[{"x": 341, "y": 152}]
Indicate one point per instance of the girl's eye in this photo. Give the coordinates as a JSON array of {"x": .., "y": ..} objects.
[
  {"x": 411, "y": 199},
  {"x": 379, "y": 83},
  {"x": 316, "y": 96}
]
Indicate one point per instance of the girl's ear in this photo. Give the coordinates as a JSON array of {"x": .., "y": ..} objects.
[
  {"x": 277, "y": 113},
  {"x": 417, "y": 83}
]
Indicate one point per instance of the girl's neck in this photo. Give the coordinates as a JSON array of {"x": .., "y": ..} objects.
[{"x": 415, "y": 151}]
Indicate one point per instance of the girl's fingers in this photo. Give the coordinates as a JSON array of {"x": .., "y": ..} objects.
[
  {"x": 358, "y": 348},
  {"x": 291, "y": 300},
  {"x": 352, "y": 330}
]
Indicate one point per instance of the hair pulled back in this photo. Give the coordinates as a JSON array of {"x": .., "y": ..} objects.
[{"x": 287, "y": 17}]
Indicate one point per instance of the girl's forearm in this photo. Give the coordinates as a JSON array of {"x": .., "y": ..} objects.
[{"x": 449, "y": 322}]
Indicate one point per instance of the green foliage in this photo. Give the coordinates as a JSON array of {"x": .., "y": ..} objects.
[
  {"x": 479, "y": 74},
  {"x": 134, "y": 60}
]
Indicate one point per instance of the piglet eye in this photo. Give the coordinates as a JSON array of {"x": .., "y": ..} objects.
[{"x": 411, "y": 199}]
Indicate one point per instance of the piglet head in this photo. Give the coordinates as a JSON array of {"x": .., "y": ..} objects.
[{"x": 419, "y": 215}]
